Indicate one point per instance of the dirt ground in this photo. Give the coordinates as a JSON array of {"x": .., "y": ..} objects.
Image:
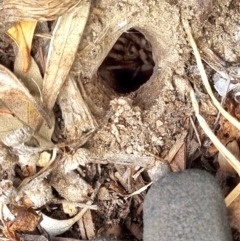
[{"x": 137, "y": 126}]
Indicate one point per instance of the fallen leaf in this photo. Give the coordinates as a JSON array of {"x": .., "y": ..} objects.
[
  {"x": 33, "y": 81},
  {"x": 26, "y": 219},
  {"x": 233, "y": 147},
  {"x": 22, "y": 34},
  {"x": 234, "y": 214},
  {"x": 11, "y": 86},
  {"x": 55, "y": 227},
  {"x": 179, "y": 161},
  {"x": 227, "y": 131}
]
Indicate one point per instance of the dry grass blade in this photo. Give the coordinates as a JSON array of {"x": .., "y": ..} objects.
[
  {"x": 66, "y": 37},
  {"x": 231, "y": 119},
  {"x": 139, "y": 190},
  {"x": 232, "y": 160},
  {"x": 232, "y": 195}
]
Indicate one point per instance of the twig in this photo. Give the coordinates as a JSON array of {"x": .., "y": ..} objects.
[
  {"x": 232, "y": 195},
  {"x": 195, "y": 130}
]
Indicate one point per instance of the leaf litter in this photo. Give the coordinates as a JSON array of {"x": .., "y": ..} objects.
[{"x": 112, "y": 146}]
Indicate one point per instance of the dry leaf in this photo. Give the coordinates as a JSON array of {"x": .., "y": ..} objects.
[
  {"x": 13, "y": 10},
  {"x": 55, "y": 227},
  {"x": 179, "y": 161},
  {"x": 227, "y": 131},
  {"x": 33, "y": 81},
  {"x": 10, "y": 86},
  {"x": 234, "y": 214},
  {"x": 19, "y": 105},
  {"x": 22, "y": 34},
  {"x": 233, "y": 147},
  {"x": 64, "y": 43},
  {"x": 26, "y": 220}
]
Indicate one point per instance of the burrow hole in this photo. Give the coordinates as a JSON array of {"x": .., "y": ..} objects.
[{"x": 129, "y": 64}]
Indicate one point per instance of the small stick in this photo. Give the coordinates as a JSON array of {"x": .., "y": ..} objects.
[
  {"x": 232, "y": 195},
  {"x": 195, "y": 130}
]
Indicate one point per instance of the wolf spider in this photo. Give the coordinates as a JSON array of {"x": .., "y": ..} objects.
[{"x": 130, "y": 62}]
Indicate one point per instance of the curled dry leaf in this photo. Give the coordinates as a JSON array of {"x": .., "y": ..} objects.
[
  {"x": 56, "y": 227},
  {"x": 233, "y": 147},
  {"x": 26, "y": 219},
  {"x": 22, "y": 34}
]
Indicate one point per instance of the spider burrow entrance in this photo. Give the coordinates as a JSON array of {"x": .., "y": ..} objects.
[{"x": 129, "y": 64}]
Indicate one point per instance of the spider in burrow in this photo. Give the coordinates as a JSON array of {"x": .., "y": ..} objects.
[{"x": 129, "y": 64}]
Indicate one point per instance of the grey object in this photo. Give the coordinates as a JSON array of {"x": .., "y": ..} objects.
[{"x": 185, "y": 206}]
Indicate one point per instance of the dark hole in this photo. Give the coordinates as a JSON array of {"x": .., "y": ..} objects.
[{"x": 129, "y": 64}]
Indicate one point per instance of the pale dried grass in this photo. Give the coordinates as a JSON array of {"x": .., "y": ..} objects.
[{"x": 41, "y": 10}]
